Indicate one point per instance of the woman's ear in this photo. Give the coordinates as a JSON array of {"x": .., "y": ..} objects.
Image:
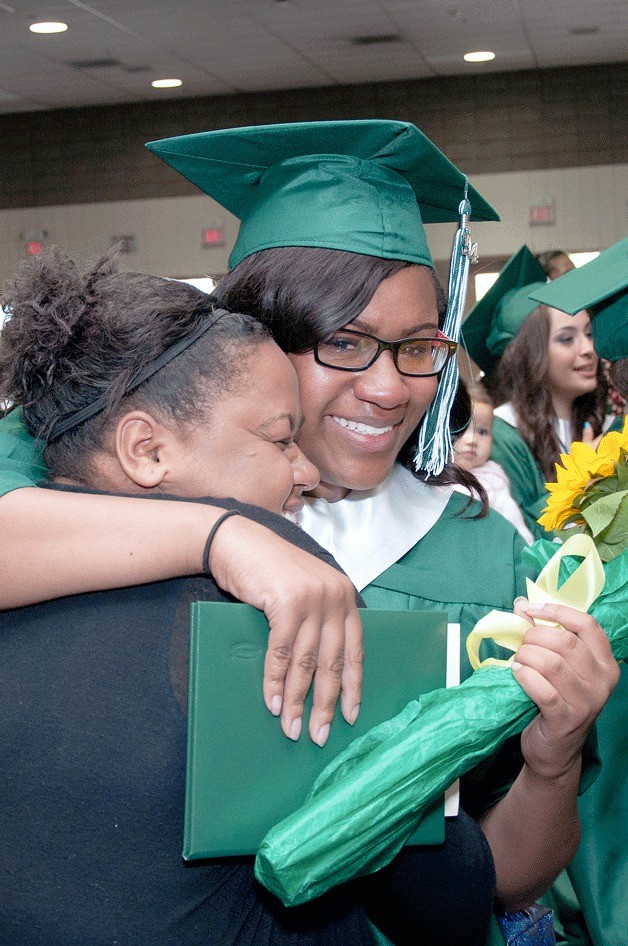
[{"x": 143, "y": 446}]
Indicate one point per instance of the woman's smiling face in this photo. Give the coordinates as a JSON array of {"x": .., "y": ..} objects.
[
  {"x": 356, "y": 422},
  {"x": 572, "y": 361}
]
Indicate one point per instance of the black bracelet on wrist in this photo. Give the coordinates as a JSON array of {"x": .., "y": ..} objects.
[{"x": 211, "y": 536}]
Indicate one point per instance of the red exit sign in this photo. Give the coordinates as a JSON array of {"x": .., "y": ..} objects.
[
  {"x": 542, "y": 213},
  {"x": 33, "y": 247},
  {"x": 213, "y": 236}
]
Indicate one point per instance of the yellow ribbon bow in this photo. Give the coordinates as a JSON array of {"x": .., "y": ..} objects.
[{"x": 579, "y": 591}]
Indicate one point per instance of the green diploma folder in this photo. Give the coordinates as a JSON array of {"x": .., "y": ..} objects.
[{"x": 243, "y": 774}]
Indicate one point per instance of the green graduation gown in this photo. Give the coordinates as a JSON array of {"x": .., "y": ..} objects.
[
  {"x": 467, "y": 567},
  {"x": 589, "y": 899},
  {"x": 464, "y": 566},
  {"x": 591, "y": 902},
  {"x": 527, "y": 482},
  {"x": 20, "y": 456}
]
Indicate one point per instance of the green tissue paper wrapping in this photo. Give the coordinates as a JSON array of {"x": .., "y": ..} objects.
[{"x": 366, "y": 803}]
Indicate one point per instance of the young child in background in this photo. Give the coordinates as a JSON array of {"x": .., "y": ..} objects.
[{"x": 472, "y": 450}]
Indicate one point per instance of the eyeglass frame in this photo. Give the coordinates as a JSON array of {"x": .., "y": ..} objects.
[{"x": 393, "y": 347}]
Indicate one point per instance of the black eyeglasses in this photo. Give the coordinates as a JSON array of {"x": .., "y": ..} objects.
[{"x": 347, "y": 350}]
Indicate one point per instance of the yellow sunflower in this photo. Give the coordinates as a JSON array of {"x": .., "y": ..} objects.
[
  {"x": 613, "y": 443},
  {"x": 559, "y": 506},
  {"x": 580, "y": 467}
]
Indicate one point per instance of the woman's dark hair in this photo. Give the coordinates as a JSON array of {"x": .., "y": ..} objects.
[
  {"x": 618, "y": 373},
  {"x": 522, "y": 379},
  {"x": 304, "y": 294},
  {"x": 71, "y": 338}
]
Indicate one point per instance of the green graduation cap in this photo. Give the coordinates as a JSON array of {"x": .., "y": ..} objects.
[
  {"x": 496, "y": 318},
  {"x": 602, "y": 287},
  {"x": 362, "y": 186}
]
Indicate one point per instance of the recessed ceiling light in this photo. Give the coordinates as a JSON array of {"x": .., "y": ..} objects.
[
  {"x": 166, "y": 83},
  {"x": 479, "y": 57},
  {"x": 48, "y": 27}
]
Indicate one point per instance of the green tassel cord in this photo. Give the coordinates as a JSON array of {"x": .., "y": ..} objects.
[{"x": 434, "y": 446}]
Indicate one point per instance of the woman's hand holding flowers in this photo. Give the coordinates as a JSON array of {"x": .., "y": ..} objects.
[{"x": 568, "y": 669}]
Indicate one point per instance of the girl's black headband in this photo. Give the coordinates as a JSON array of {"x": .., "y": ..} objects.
[{"x": 63, "y": 425}]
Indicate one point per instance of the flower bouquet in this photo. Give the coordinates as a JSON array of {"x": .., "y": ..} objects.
[
  {"x": 365, "y": 805},
  {"x": 590, "y": 494}
]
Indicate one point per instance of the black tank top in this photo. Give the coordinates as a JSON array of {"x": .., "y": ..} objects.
[{"x": 93, "y": 737}]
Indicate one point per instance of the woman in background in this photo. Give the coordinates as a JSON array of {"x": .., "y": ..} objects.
[
  {"x": 544, "y": 375},
  {"x": 599, "y": 871},
  {"x": 554, "y": 263}
]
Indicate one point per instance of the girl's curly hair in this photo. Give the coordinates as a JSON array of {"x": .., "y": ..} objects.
[{"x": 72, "y": 337}]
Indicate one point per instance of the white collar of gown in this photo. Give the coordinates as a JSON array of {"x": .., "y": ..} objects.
[
  {"x": 563, "y": 428},
  {"x": 506, "y": 412},
  {"x": 368, "y": 531}
]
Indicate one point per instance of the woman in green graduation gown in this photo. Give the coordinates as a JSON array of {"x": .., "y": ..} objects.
[
  {"x": 599, "y": 871},
  {"x": 332, "y": 255},
  {"x": 545, "y": 377}
]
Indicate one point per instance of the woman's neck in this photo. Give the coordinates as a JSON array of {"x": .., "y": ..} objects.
[{"x": 563, "y": 407}]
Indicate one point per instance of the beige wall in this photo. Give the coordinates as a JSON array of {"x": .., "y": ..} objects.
[
  {"x": 590, "y": 202},
  {"x": 500, "y": 122},
  {"x": 591, "y": 205},
  {"x": 84, "y": 174}
]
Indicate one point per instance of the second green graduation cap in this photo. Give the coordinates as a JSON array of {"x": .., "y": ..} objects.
[
  {"x": 496, "y": 318},
  {"x": 363, "y": 186},
  {"x": 602, "y": 287}
]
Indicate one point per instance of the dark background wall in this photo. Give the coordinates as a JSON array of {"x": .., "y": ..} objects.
[{"x": 516, "y": 121}]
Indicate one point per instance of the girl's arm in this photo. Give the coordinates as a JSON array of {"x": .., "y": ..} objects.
[{"x": 56, "y": 543}]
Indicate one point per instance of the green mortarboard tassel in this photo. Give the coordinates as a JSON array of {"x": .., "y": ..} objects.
[{"x": 435, "y": 447}]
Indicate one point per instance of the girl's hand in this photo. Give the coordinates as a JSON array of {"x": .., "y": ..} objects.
[
  {"x": 315, "y": 630},
  {"x": 569, "y": 671}
]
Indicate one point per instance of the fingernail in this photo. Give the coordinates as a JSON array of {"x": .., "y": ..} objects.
[
  {"x": 354, "y": 714},
  {"x": 535, "y": 608},
  {"x": 295, "y": 729},
  {"x": 275, "y": 705},
  {"x": 586, "y": 425},
  {"x": 519, "y": 600},
  {"x": 515, "y": 665},
  {"x": 322, "y": 735}
]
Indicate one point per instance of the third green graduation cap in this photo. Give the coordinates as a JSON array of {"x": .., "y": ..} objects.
[
  {"x": 602, "y": 287},
  {"x": 362, "y": 186},
  {"x": 496, "y": 318}
]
